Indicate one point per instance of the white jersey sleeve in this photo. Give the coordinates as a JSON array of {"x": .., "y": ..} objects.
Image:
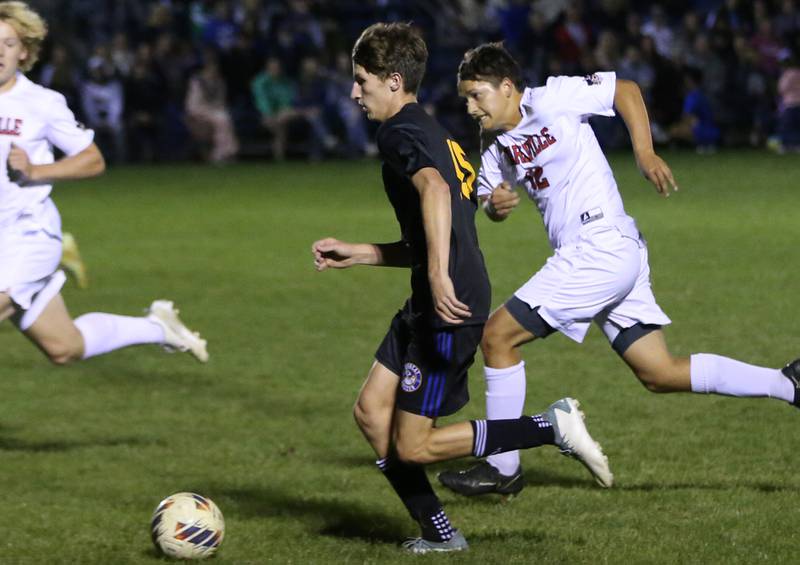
[
  {"x": 495, "y": 168},
  {"x": 489, "y": 175},
  {"x": 63, "y": 130},
  {"x": 584, "y": 96}
]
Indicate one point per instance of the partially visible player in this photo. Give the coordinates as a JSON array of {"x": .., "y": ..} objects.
[
  {"x": 540, "y": 139},
  {"x": 33, "y": 119},
  {"x": 420, "y": 368}
]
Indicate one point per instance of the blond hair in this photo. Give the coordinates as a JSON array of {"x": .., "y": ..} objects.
[{"x": 30, "y": 27}]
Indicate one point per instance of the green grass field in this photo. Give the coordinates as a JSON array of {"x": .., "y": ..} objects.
[{"x": 265, "y": 429}]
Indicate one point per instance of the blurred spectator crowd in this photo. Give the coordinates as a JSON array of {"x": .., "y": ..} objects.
[{"x": 219, "y": 80}]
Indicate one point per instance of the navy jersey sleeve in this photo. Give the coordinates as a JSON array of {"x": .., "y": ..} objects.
[{"x": 404, "y": 149}]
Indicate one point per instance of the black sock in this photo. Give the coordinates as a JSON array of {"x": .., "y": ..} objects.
[
  {"x": 497, "y": 436},
  {"x": 413, "y": 487}
]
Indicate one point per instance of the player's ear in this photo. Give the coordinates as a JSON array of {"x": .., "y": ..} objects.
[
  {"x": 507, "y": 87},
  {"x": 395, "y": 82}
]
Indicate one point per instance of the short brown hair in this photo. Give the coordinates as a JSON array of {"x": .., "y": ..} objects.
[
  {"x": 30, "y": 27},
  {"x": 384, "y": 49},
  {"x": 490, "y": 62}
]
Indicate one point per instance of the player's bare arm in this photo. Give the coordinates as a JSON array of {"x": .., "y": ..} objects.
[
  {"x": 331, "y": 253},
  {"x": 501, "y": 202},
  {"x": 87, "y": 163},
  {"x": 630, "y": 105},
  {"x": 434, "y": 194}
]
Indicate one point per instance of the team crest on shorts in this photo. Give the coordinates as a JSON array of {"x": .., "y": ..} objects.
[
  {"x": 593, "y": 79},
  {"x": 412, "y": 377}
]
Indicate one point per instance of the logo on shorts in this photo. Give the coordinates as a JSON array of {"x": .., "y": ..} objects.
[
  {"x": 593, "y": 79},
  {"x": 412, "y": 377}
]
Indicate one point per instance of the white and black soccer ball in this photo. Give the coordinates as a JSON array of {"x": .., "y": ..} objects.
[{"x": 187, "y": 526}]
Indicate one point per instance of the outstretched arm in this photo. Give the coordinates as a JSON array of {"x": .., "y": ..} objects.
[
  {"x": 434, "y": 196},
  {"x": 630, "y": 104},
  {"x": 87, "y": 163},
  {"x": 330, "y": 253}
]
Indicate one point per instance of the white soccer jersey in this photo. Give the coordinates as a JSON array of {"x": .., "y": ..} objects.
[
  {"x": 35, "y": 119},
  {"x": 554, "y": 154}
]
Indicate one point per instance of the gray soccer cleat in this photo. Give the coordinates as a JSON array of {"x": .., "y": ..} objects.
[
  {"x": 176, "y": 335},
  {"x": 792, "y": 372},
  {"x": 420, "y": 545},
  {"x": 573, "y": 439}
]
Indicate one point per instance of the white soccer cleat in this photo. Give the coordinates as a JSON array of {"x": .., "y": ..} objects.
[
  {"x": 573, "y": 439},
  {"x": 176, "y": 335}
]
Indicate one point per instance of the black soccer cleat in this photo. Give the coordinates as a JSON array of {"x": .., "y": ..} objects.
[
  {"x": 792, "y": 372},
  {"x": 482, "y": 479}
]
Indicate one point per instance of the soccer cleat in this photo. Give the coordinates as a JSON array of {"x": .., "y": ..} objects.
[
  {"x": 483, "y": 478},
  {"x": 72, "y": 262},
  {"x": 792, "y": 372},
  {"x": 573, "y": 439},
  {"x": 421, "y": 545},
  {"x": 176, "y": 335}
]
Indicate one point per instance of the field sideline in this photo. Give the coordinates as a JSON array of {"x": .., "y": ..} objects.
[{"x": 265, "y": 429}]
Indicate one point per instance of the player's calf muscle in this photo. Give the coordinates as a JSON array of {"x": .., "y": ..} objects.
[{"x": 669, "y": 376}]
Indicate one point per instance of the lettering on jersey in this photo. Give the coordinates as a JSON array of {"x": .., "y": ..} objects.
[
  {"x": 593, "y": 78},
  {"x": 531, "y": 147},
  {"x": 464, "y": 170},
  {"x": 10, "y": 126}
]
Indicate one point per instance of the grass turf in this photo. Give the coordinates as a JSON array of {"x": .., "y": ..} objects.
[{"x": 87, "y": 451}]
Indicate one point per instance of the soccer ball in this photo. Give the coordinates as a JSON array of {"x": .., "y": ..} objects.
[{"x": 187, "y": 526}]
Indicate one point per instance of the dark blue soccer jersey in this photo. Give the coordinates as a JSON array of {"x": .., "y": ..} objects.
[{"x": 412, "y": 140}]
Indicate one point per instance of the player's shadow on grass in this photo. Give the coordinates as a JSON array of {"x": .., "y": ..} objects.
[
  {"x": 13, "y": 444},
  {"x": 326, "y": 516},
  {"x": 722, "y": 486}
]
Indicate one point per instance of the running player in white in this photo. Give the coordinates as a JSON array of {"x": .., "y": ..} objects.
[
  {"x": 539, "y": 139},
  {"x": 33, "y": 119}
]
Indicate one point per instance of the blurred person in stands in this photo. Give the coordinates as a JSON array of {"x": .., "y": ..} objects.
[
  {"x": 207, "y": 114},
  {"x": 697, "y": 125},
  {"x": 144, "y": 92},
  {"x": 60, "y": 74},
  {"x": 789, "y": 109},
  {"x": 338, "y": 84},
  {"x": 273, "y": 96},
  {"x": 103, "y": 101}
]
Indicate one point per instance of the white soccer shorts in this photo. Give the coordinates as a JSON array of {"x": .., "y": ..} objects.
[
  {"x": 29, "y": 258},
  {"x": 601, "y": 276}
]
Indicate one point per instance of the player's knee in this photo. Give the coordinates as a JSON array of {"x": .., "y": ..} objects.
[{"x": 492, "y": 342}]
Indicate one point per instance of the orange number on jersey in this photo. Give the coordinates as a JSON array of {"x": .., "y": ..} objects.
[{"x": 464, "y": 170}]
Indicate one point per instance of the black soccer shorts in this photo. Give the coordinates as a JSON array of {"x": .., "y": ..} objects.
[{"x": 432, "y": 364}]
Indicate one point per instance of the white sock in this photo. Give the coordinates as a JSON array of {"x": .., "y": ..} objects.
[
  {"x": 106, "y": 332},
  {"x": 505, "y": 397},
  {"x": 714, "y": 374}
]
